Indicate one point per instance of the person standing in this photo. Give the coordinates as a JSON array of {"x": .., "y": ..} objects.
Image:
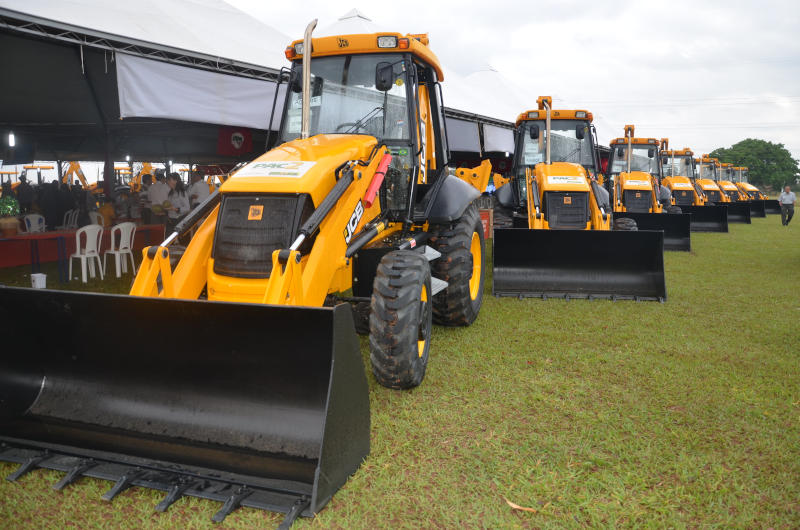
[
  {"x": 179, "y": 202},
  {"x": 787, "y": 199},
  {"x": 198, "y": 191},
  {"x": 144, "y": 201},
  {"x": 25, "y": 195},
  {"x": 157, "y": 195}
]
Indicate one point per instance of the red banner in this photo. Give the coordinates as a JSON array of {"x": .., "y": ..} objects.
[{"x": 234, "y": 141}]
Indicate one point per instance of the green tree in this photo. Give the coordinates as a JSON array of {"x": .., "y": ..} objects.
[{"x": 769, "y": 164}]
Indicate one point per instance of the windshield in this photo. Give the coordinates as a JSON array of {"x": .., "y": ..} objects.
[
  {"x": 643, "y": 158},
  {"x": 707, "y": 171},
  {"x": 566, "y": 146},
  {"x": 680, "y": 166},
  {"x": 344, "y": 99}
]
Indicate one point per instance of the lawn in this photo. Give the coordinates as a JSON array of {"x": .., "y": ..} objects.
[{"x": 590, "y": 413}]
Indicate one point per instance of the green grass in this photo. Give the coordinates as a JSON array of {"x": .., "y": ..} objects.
[{"x": 595, "y": 413}]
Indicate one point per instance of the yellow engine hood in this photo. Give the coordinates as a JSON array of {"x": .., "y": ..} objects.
[
  {"x": 728, "y": 185},
  {"x": 677, "y": 183},
  {"x": 300, "y": 166},
  {"x": 708, "y": 184},
  {"x": 747, "y": 186},
  {"x": 636, "y": 180},
  {"x": 562, "y": 176}
]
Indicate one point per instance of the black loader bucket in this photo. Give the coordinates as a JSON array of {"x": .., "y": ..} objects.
[
  {"x": 711, "y": 218},
  {"x": 738, "y": 212},
  {"x": 772, "y": 206},
  {"x": 579, "y": 264},
  {"x": 677, "y": 235},
  {"x": 247, "y": 404},
  {"x": 757, "y": 208}
]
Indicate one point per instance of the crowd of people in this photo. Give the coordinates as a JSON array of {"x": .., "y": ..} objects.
[{"x": 163, "y": 199}]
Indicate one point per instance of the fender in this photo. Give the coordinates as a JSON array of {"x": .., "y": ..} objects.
[{"x": 451, "y": 200}]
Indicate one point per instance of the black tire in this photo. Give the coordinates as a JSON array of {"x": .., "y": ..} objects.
[
  {"x": 400, "y": 319},
  {"x": 674, "y": 209},
  {"x": 625, "y": 223},
  {"x": 459, "y": 303}
]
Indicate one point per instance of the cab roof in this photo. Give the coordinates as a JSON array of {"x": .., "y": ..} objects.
[
  {"x": 678, "y": 152},
  {"x": 624, "y": 141},
  {"x": 531, "y": 115},
  {"x": 416, "y": 44}
]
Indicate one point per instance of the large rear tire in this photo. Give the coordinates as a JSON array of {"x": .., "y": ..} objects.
[
  {"x": 400, "y": 319},
  {"x": 625, "y": 224},
  {"x": 462, "y": 266}
]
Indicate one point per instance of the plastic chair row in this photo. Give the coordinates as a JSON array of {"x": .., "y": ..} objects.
[
  {"x": 89, "y": 251},
  {"x": 70, "y": 221}
]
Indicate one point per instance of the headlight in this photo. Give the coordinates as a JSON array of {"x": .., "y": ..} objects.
[
  {"x": 387, "y": 41},
  {"x": 298, "y": 48}
]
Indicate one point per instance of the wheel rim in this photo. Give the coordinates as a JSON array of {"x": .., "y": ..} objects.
[
  {"x": 423, "y": 322},
  {"x": 475, "y": 279}
]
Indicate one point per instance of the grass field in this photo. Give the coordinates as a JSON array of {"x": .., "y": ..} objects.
[{"x": 591, "y": 413}]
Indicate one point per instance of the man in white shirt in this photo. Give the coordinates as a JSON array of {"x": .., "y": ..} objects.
[
  {"x": 198, "y": 191},
  {"x": 157, "y": 195},
  {"x": 787, "y": 199}
]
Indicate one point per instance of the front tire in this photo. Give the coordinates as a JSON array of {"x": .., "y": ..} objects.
[
  {"x": 625, "y": 224},
  {"x": 400, "y": 319},
  {"x": 462, "y": 266}
]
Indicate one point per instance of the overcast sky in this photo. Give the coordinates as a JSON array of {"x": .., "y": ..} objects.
[{"x": 704, "y": 73}]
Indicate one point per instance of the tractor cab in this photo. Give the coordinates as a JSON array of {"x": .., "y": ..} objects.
[
  {"x": 634, "y": 173},
  {"x": 677, "y": 172},
  {"x": 383, "y": 86},
  {"x": 727, "y": 175},
  {"x": 707, "y": 175}
]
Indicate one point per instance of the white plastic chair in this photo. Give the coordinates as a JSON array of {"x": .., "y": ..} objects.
[
  {"x": 125, "y": 248},
  {"x": 95, "y": 218},
  {"x": 34, "y": 223},
  {"x": 65, "y": 223},
  {"x": 73, "y": 221},
  {"x": 89, "y": 251}
]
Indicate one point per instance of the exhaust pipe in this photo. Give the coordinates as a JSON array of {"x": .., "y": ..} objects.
[{"x": 307, "y": 79}]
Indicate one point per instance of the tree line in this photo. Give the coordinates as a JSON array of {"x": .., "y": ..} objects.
[{"x": 770, "y": 164}]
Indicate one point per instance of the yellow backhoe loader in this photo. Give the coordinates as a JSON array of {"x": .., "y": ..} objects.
[
  {"x": 562, "y": 244},
  {"x": 269, "y": 407},
  {"x": 678, "y": 170},
  {"x": 738, "y": 212},
  {"x": 752, "y": 194},
  {"x": 634, "y": 174}
]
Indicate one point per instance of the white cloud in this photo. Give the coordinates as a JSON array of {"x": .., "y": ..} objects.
[{"x": 705, "y": 74}]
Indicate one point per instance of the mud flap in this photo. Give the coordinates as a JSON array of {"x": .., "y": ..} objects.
[
  {"x": 676, "y": 227},
  {"x": 713, "y": 218},
  {"x": 579, "y": 264},
  {"x": 772, "y": 206},
  {"x": 757, "y": 208},
  {"x": 248, "y": 404},
  {"x": 738, "y": 212}
]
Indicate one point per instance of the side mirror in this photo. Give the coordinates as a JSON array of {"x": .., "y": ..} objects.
[
  {"x": 580, "y": 131},
  {"x": 534, "y": 132},
  {"x": 384, "y": 76},
  {"x": 651, "y": 153},
  {"x": 296, "y": 81},
  {"x": 620, "y": 152}
]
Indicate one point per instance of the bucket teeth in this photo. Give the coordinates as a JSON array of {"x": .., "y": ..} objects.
[
  {"x": 124, "y": 482},
  {"x": 233, "y": 502},
  {"x": 299, "y": 506},
  {"x": 28, "y": 466},
  {"x": 75, "y": 473}
]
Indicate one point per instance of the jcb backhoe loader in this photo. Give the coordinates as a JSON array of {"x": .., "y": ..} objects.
[
  {"x": 268, "y": 407},
  {"x": 562, "y": 244},
  {"x": 753, "y": 195},
  {"x": 678, "y": 170},
  {"x": 634, "y": 173},
  {"x": 738, "y": 212}
]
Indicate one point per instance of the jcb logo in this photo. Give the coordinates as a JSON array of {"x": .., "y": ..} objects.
[
  {"x": 350, "y": 229},
  {"x": 342, "y": 42},
  {"x": 567, "y": 200}
]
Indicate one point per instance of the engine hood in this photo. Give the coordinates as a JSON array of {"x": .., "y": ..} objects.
[{"x": 300, "y": 166}]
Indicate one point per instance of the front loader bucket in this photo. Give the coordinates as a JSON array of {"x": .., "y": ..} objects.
[
  {"x": 757, "y": 208},
  {"x": 247, "y": 404},
  {"x": 579, "y": 264},
  {"x": 738, "y": 212},
  {"x": 711, "y": 218},
  {"x": 676, "y": 227},
  {"x": 772, "y": 206}
]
